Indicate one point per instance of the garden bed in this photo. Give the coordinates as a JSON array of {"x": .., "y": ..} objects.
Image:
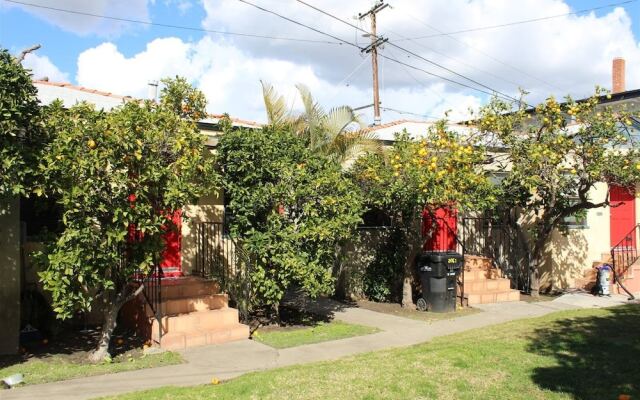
[
  {"x": 65, "y": 356},
  {"x": 396, "y": 309}
]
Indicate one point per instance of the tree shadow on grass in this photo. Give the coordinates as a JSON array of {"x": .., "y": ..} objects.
[{"x": 598, "y": 356}]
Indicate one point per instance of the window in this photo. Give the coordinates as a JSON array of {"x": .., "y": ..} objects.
[
  {"x": 496, "y": 177},
  {"x": 375, "y": 218},
  {"x": 577, "y": 220}
]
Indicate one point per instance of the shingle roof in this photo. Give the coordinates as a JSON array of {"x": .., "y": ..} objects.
[
  {"x": 110, "y": 100},
  {"x": 394, "y": 123},
  {"x": 81, "y": 88}
]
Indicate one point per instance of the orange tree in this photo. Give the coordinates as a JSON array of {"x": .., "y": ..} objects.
[
  {"x": 112, "y": 172},
  {"x": 21, "y": 133},
  {"x": 553, "y": 156},
  {"x": 443, "y": 168}
]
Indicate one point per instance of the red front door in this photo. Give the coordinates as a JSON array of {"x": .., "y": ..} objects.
[
  {"x": 440, "y": 227},
  {"x": 622, "y": 214},
  {"x": 172, "y": 255}
]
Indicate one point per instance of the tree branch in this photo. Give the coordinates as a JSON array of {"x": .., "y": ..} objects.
[{"x": 24, "y": 53}]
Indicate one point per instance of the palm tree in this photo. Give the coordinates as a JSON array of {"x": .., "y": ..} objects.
[{"x": 338, "y": 134}]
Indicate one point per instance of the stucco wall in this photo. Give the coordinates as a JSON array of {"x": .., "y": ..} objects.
[
  {"x": 209, "y": 209},
  {"x": 568, "y": 257},
  {"x": 10, "y": 277}
]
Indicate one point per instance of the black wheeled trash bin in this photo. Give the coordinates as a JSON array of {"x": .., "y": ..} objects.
[{"x": 439, "y": 276}]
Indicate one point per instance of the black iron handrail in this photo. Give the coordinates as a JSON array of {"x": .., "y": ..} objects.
[
  {"x": 149, "y": 279},
  {"x": 623, "y": 255},
  {"x": 490, "y": 237},
  {"x": 223, "y": 258},
  {"x": 152, "y": 292}
]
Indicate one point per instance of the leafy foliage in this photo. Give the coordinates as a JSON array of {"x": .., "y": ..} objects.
[
  {"x": 21, "y": 136},
  {"x": 118, "y": 176},
  {"x": 554, "y": 158},
  {"x": 290, "y": 206},
  {"x": 438, "y": 170},
  {"x": 441, "y": 169},
  {"x": 337, "y": 134},
  {"x": 383, "y": 277}
]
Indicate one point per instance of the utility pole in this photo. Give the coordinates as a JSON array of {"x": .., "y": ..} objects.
[{"x": 373, "y": 49}]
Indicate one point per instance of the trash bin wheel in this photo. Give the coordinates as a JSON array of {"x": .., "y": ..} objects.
[{"x": 421, "y": 305}]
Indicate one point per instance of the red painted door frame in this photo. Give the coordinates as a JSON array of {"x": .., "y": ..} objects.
[
  {"x": 622, "y": 214},
  {"x": 171, "y": 262},
  {"x": 440, "y": 227}
]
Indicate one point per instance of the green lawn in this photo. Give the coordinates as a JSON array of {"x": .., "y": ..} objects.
[
  {"x": 58, "y": 368},
  {"x": 321, "y": 332},
  {"x": 585, "y": 354}
]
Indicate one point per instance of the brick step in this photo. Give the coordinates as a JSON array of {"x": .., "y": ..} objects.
[
  {"x": 196, "y": 321},
  {"x": 188, "y": 287},
  {"x": 487, "y": 285},
  {"x": 182, "y": 340},
  {"x": 477, "y": 263},
  {"x": 481, "y": 275},
  {"x": 493, "y": 297},
  {"x": 185, "y": 305}
]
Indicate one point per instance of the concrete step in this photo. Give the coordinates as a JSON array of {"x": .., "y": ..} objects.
[
  {"x": 182, "y": 340},
  {"x": 196, "y": 321},
  {"x": 185, "y": 305},
  {"x": 487, "y": 285},
  {"x": 632, "y": 283},
  {"x": 493, "y": 297}
]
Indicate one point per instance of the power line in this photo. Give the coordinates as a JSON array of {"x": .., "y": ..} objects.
[
  {"x": 408, "y": 51},
  {"x": 382, "y": 55},
  {"x": 183, "y": 27},
  {"x": 457, "y": 60},
  {"x": 491, "y": 57},
  {"x": 297, "y": 23},
  {"x": 409, "y": 113},
  {"x": 419, "y": 82},
  {"x": 526, "y": 21}
]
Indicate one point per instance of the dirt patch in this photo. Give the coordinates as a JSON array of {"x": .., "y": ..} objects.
[
  {"x": 74, "y": 345},
  {"x": 291, "y": 318},
  {"x": 542, "y": 297},
  {"x": 396, "y": 309}
]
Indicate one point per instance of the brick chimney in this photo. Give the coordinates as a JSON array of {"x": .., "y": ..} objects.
[{"x": 617, "y": 75}]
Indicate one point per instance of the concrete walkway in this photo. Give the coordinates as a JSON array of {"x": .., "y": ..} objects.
[{"x": 237, "y": 358}]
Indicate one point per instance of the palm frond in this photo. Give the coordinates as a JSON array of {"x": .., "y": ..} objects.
[
  {"x": 313, "y": 116},
  {"x": 275, "y": 105},
  {"x": 338, "y": 120},
  {"x": 351, "y": 145}
]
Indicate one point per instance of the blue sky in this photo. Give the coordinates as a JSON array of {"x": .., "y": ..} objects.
[
  {"x": 20, "y": 29},
  {"x": 223, "y": 66}
]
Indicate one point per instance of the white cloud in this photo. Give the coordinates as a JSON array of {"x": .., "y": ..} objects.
[
  {"x": 41, "y": 67},
  {"x": 562, "y": 55},
  {"x": 231, "y": 79},
  {"x": 571, "y": 53},
  {"x": 85, "y": 24}
]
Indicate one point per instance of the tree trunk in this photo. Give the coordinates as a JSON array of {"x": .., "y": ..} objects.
[
  {"x": 409, "y": 272},
  {"x": 534, "y": 276},
  {"x": 536, "y": 259},
  {"x": 111, "y": 310},
  {"x": 108, "y": 326}
]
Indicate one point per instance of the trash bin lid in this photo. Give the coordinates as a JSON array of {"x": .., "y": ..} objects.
[{"x": 440, "y": 256}]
